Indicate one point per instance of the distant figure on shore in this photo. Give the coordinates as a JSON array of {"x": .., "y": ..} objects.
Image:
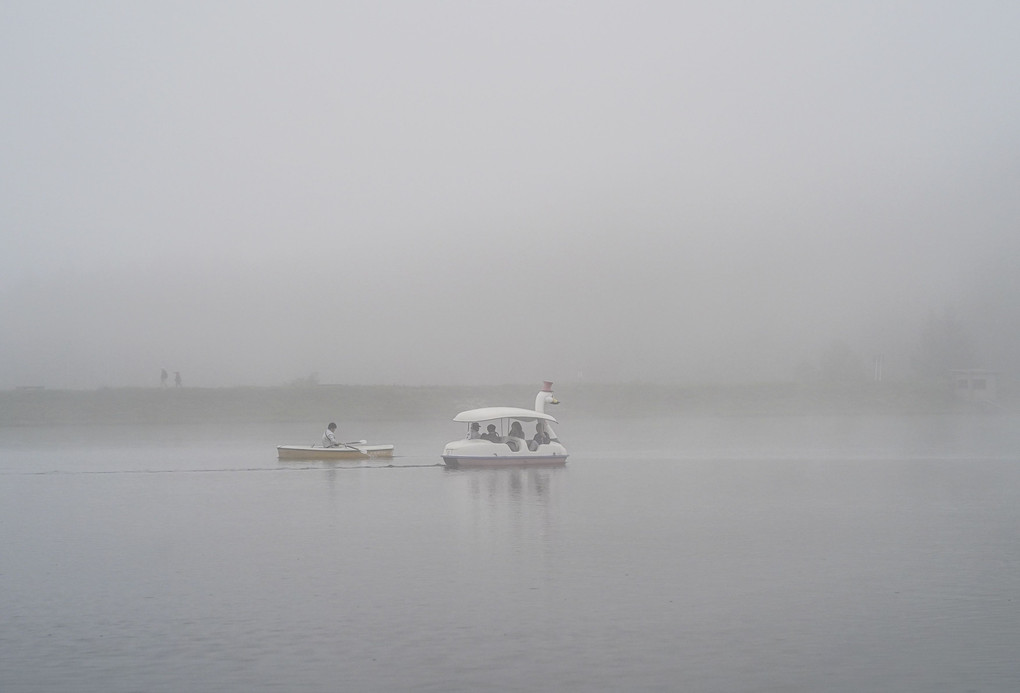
[
  {"x": 177, "y": 378},
  {"x": 162, "y": 377},
  {"x": 329, "y": 437}
]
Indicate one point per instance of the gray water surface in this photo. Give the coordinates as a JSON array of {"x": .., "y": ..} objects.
[{"x": 703, "y": 555}]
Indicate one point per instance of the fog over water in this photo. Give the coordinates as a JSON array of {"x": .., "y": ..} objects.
[{"x": 421, "y": 193}]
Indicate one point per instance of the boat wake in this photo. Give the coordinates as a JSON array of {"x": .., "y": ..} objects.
[{"x": 225, "y": 470}]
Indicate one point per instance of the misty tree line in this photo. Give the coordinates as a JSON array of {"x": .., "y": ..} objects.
[{"x": 942, "y": 346}]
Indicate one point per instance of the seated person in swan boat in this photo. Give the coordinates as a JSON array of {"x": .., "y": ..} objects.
[
  {"x": 541, "y": 436},
  {"x": 490, "y": 434}
]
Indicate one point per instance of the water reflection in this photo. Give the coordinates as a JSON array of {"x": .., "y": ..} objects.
[
  {"x": 522, "y": 485},
  {"x": 510, "y": 512}
]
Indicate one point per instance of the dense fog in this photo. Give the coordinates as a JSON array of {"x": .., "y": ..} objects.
[{"x": 419, "y": 193}]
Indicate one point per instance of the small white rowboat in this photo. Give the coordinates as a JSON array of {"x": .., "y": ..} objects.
[{"x": 349, "y": 451}]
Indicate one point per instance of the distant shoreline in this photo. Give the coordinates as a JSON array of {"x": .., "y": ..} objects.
[{"x": 38, "y": 407}]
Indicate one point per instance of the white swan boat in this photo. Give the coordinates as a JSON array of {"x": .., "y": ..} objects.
[
  {"x": 356, "y": 450},
  {"x": 504, "y": 442}
]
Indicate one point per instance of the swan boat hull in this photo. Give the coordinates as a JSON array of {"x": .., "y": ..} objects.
[
  {"x": 314, "y": 452},
  {"x": 475, "y": 453}
]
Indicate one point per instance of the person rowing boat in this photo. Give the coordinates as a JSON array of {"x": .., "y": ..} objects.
[{"x": 329, "y": 437}]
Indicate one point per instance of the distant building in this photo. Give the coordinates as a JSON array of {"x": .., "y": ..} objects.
[{"x": 975, "y": 385}]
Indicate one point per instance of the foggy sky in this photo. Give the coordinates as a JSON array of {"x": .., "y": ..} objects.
[{"x": 429, "y": 192}]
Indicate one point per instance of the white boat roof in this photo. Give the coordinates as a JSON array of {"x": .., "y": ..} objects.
[{"x": 490, "y": 413}]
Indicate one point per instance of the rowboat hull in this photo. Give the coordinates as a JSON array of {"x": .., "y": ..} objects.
[{"x": 313, "y": 452}]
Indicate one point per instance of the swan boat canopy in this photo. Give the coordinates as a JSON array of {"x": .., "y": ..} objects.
[{"x": 504, "y": 442}]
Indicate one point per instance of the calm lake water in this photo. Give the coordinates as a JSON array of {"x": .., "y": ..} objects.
[{"x": 708, "y": 555}]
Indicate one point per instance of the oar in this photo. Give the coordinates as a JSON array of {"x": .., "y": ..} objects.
[
  {"x": 345, "y": 445},
  {"x": 353, "y": 443}
]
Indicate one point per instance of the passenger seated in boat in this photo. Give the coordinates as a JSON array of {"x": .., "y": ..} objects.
[
  {"x": 329, "y": 437},
  {"x": 474, "y": 433},
  {"x": 490, "y": 434},
  {"x": 515, "y": 439},
  {"x": 540, "y": 437}
]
